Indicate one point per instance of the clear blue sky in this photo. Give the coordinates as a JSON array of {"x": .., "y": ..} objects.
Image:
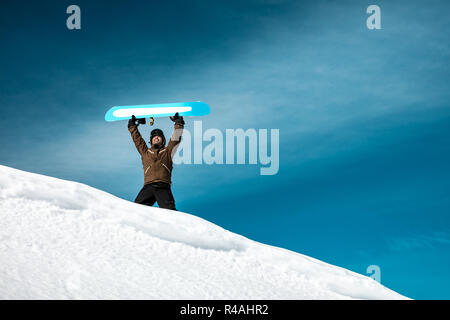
[{"x": 364, "y": 117}]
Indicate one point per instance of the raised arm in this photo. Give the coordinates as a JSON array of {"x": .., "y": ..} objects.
[
  {"x": 175, "y": 139},
  {"x": 139, "y": 142}
]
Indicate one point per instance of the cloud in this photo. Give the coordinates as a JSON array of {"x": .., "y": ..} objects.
[{"x": 415, "y": 242}]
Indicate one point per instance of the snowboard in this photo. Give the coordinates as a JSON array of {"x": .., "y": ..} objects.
[{"x": 196, "y": 108}]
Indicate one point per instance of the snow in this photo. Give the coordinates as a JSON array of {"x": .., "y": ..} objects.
[{"x": 65, "y": 240}]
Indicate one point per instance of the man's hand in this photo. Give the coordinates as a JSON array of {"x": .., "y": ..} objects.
[
  {"x": 133, "y": 122},
  {"x": 177, "y": 119}
]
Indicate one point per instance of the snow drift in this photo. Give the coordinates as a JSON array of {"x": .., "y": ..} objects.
[{"x": 65, "y": 240}]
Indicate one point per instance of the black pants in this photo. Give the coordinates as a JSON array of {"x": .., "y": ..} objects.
[{"x": 157, "y": 191}]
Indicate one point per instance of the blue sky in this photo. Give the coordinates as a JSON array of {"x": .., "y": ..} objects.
[{"x": 363, "y": 117}]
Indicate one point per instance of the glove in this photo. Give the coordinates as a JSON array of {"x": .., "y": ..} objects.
[
  {"x": 177, "y": 119},
  {"x": 133, "y": 122}
]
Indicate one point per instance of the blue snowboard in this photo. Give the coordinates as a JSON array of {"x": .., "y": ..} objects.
[{"x": 196, "y": 108}]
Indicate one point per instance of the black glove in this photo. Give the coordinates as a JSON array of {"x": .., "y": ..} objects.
[
  {"x": 133, "y": 122},
  {"x": 177, "y": 119}
]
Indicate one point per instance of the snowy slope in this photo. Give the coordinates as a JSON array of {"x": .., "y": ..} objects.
[{"x": 65, "y": 240}]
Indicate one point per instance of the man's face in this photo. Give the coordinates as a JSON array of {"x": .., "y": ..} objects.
[{"x": 156, "y": 140}]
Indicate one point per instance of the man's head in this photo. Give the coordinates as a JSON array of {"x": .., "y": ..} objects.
[{"x": 157, "y": 138}]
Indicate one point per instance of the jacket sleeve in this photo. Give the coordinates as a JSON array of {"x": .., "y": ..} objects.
[
  {"x": 139, "y": 142},
  {"x": 175, "y": 139}
]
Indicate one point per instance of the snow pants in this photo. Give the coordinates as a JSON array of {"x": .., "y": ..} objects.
[{"x": 156, "y": 192}]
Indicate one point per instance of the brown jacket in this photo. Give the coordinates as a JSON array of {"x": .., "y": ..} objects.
[{"x": 157, "y": 163}]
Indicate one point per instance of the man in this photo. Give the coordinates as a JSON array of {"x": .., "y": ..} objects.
[{"x": 157, "y": 163}]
